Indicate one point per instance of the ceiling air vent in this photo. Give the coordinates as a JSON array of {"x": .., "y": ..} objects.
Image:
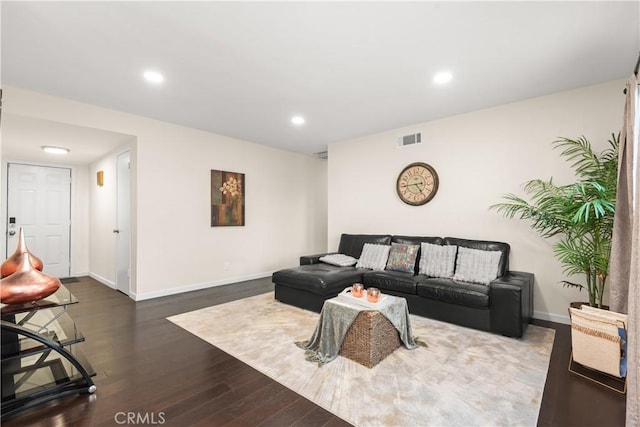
[
  {"x": 414, "y": 138},
  {"x": 321, "y": 155}
]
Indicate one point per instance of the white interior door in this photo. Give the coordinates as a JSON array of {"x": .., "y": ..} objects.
[
  {"x": 39, "y": 200},
  {"x": 123, "y": 222}
]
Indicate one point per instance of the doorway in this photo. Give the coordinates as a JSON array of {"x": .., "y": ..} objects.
[
  {"x": 39, "y": 201},
  {"x": 123, "y": 222}
]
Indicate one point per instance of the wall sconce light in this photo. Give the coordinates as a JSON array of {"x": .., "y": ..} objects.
[{"x": 100, "y": 176}]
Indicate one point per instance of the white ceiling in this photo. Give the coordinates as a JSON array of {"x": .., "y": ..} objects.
[
  {"x": 242, "y": 69},
  {"x": 23, "y": 137}
]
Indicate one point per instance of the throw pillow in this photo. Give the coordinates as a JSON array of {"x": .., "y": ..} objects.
[
  {"x": 402, "y": 257},
  {"x": 477, "y": 266},
  {"x": 438, "y": 260},
  {"x": 373, "y": 256},
  {"x": 340, "y": 260}
]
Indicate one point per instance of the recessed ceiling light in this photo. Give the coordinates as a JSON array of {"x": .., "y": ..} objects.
[
  {"x": 297, "y": 120},
  {"x": 442, "y": 77},
  {"x": 54, "y": 150},
  {"x": 153, "y": 77}
]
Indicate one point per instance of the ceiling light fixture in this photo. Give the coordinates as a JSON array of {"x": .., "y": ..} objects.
[
  {"x": 54, "y": 150},
  {"x": 442, "y": 77},
  {"x": 153, "y": 77},
  {"x": 297, "y": 120}
]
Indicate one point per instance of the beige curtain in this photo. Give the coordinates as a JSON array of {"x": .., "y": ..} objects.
[{"x": 625, "y": 252}]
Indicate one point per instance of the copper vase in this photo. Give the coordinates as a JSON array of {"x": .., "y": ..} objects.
[
  {"x": 27, "y": 284},
  {"x": 11, "y": 264}
]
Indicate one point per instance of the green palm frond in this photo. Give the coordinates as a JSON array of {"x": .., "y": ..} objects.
[
  {"x": 581, "y": 213},
  {"x": 579, "y": 151},
  {"x": 586, "y": 162},
  {"x": 575, "y": 257}
]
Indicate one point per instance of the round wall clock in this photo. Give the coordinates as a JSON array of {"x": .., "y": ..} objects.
[{"x": 417, "y": 184}]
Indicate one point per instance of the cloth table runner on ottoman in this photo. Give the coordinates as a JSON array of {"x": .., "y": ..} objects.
[{"x": 336, "y": 318}]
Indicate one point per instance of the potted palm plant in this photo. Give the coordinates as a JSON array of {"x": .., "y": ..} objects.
[{"x": 580, "y": 214}]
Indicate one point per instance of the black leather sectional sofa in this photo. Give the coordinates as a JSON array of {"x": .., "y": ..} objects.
[{"x": 504, "y": 307}]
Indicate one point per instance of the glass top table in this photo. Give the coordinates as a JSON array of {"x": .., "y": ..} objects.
[
  {"x": 60, "y": 298},
  {"x": 40, "y": 359}
]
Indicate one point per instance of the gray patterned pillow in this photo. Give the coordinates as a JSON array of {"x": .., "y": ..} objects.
[
  {"x": 373, "y": 256},
  {"x": 402, "y": 257},
  {"x": 340, "y": 260},
  {"x": 437, "y": 260},
  {"x": 476, "y": 266}
]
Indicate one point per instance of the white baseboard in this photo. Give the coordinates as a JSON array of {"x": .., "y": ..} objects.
[
  {"x": 195, "y": 286},
  {"x": 557, "y": 318},
  {"x": 102, "y": 280},
  {"x": 80, "y": 274}
]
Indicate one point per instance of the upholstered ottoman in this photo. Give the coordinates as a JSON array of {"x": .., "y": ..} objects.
[{"x": 370, "y": 338}]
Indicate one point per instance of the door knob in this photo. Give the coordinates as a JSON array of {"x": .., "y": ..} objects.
[{"x": 116, "y": 231}]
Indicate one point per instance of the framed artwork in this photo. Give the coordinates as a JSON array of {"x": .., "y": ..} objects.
[{"x": 227, "y": 198}]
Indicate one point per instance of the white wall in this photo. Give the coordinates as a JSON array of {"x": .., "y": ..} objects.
[
  {"x": 102, "y": 214},
  {"x": 80, "y": 221},
  {"x": 176, "y": 248},
  {"x": 103, "y": 217},
  {"x": 478, "y": 156}
]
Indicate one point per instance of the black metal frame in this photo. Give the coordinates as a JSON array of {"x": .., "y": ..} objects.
[
  {"x": 616, "y": 384},
  {"x": 83, "y": 384}
]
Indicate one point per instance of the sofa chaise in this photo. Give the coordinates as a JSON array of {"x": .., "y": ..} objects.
[{"x": 502, "y": 304}]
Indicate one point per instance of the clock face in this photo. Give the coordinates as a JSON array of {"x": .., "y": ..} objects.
[{"x": 417, "y": 184}]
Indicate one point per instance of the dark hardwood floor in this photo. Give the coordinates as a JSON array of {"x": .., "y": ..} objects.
[{"x": 148, "y": 367}]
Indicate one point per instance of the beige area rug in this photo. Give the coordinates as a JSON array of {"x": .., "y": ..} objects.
[{"x": 464, "y": 378}]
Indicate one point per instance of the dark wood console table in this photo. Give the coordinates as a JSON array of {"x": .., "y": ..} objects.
[{"x": 40, "y": 357}]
